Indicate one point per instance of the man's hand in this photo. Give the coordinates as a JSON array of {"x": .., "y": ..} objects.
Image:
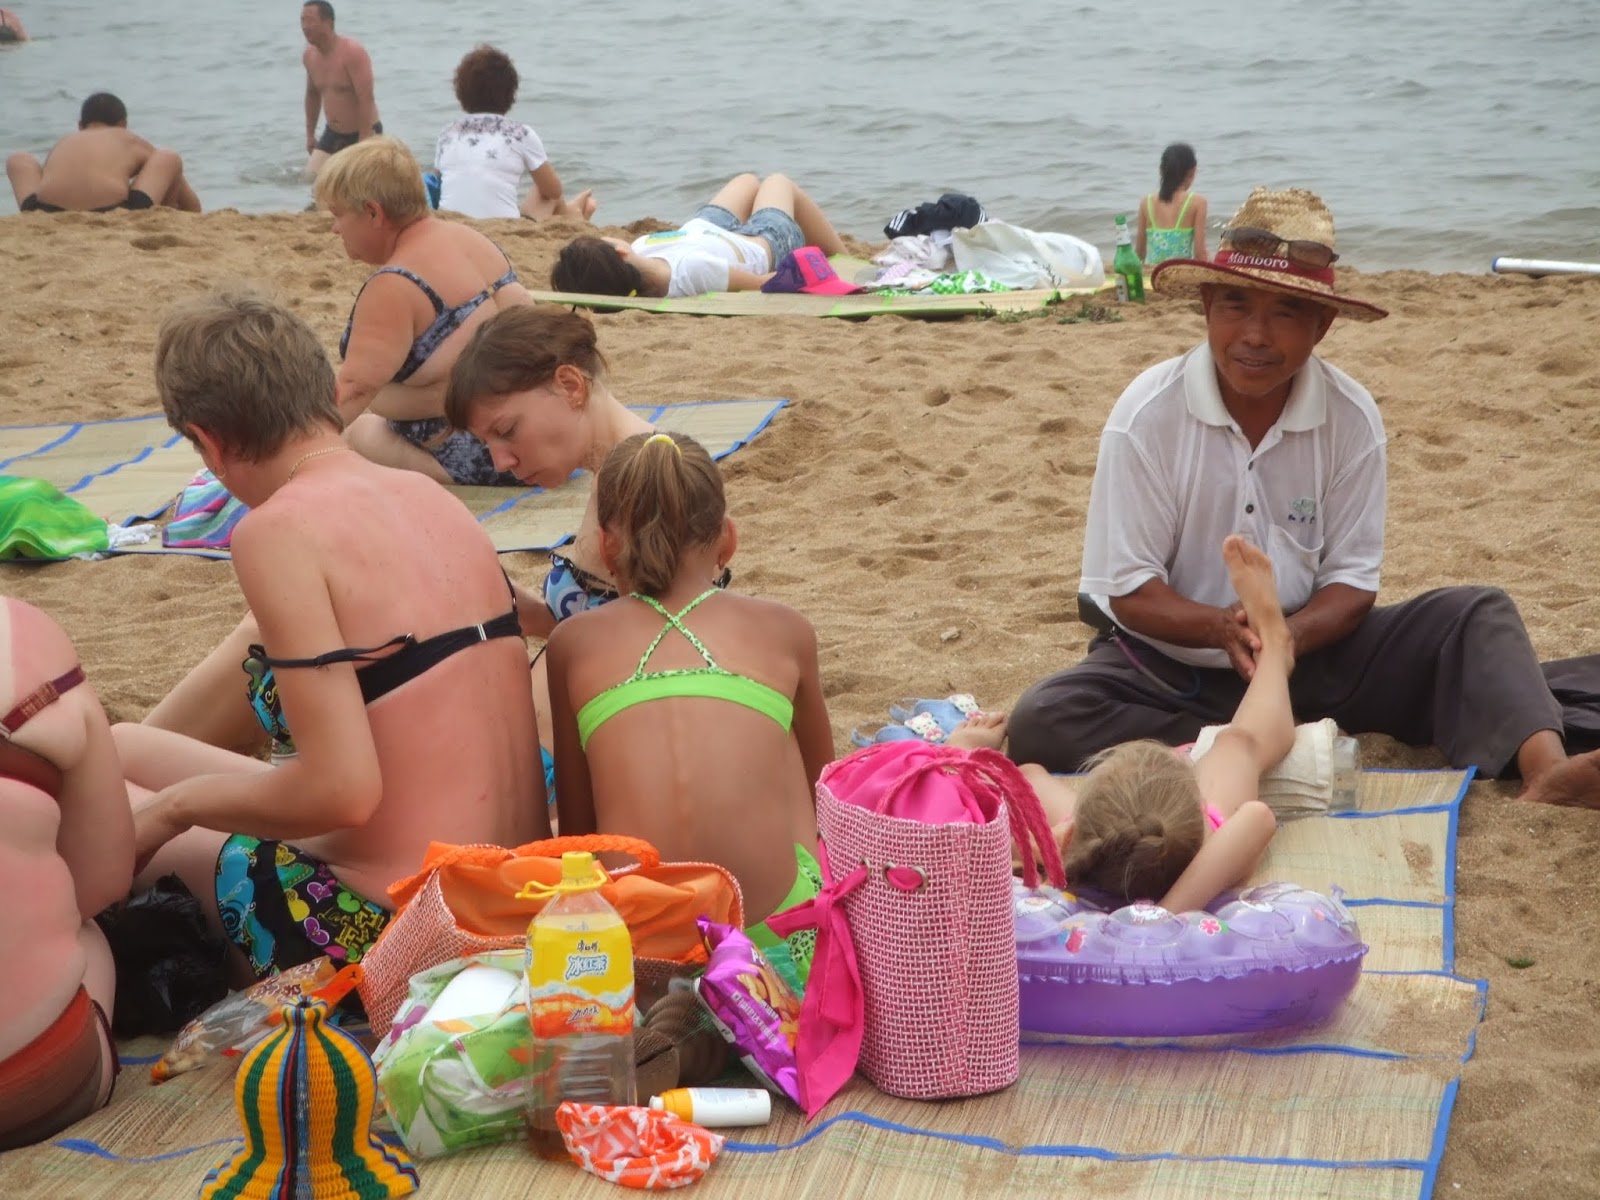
[{"x": 1235, "y": 636}]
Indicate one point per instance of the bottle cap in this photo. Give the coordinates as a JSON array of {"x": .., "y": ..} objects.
[
  {"x": 577, "y": 866},
  {"x": 655, "y": 1103}
]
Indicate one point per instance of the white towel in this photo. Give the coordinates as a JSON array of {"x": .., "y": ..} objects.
[{"x": 1303, "y": 781}]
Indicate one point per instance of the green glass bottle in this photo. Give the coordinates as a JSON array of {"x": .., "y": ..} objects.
[{"x": 1126, "y": 266}]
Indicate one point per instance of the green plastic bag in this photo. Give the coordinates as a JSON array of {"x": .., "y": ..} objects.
[{"x": 454, "y": 1084}]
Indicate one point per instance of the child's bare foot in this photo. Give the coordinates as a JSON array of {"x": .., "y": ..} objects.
[
  {"x": 1250, "y": 570},
  {"x": 585, "y": 203},
  {"x": 980, "y": 731}
]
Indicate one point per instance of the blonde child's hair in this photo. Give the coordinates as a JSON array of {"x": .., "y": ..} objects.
[
  {"x": 1138, "y": 822},
  {"x": 376, "y": 169}
]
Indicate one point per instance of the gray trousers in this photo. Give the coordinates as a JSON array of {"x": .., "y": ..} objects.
[{"x": 1451, "y": 668}]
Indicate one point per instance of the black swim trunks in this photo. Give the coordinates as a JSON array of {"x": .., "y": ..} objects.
[
  {"x": 464, "y": 457},
  {"x": 135, "y": 200},
  {"x": 331, "y": 141}
]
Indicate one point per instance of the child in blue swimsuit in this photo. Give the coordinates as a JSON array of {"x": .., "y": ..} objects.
[
  {"x": 683, "y": 714},
  {"x": 1172, "y": 223}
]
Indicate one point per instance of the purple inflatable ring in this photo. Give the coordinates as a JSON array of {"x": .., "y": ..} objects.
[{"x": 1269, "y": 957}]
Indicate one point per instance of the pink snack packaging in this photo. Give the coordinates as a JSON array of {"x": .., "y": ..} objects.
[{"x": 751, "y": 1006}]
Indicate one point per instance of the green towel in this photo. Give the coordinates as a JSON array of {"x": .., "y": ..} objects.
[{"x": 38, "y": 521}]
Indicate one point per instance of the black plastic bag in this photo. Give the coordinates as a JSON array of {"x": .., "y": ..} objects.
[{"x": 170, "y": 967}]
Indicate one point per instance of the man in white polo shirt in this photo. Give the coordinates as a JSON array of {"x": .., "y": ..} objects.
[{"x": 1250, "y": 433}]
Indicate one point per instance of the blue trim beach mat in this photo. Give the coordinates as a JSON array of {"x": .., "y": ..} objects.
[
  {"x": 134, "y": 468},
  {"x": 1356, "y": 1108}
]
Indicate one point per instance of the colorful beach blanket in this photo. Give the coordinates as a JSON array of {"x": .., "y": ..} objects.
[
  {"x": 1358, "y": 1108},
  {"x": 136, "y": 469}
]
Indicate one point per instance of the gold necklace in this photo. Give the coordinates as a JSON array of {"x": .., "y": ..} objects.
[{"x": 299, "y": 462}]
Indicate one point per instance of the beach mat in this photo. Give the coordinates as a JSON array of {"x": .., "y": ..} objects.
[
  {"x": 798, "y": 304},
  {"x": 1355, "y": 1109},
  {"x": 132, "y": 469}
]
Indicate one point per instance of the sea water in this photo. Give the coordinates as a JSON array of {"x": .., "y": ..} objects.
[{"x": 1440, "y": 134}]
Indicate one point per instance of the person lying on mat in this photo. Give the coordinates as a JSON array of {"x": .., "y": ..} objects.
[
  {"x": 391, "y": 672},
  {"x": 683, "y": 714},
  {"x": 731, "y": 244},
  {"x": 1251, "y": 432},
  {"x": 482, "y": 157},
  {"x": 436, "y": 282},
  {"x": 1145, "y": 823},
  {"x": 66, "y": 853},
  {"x": 100, "y": 167}
]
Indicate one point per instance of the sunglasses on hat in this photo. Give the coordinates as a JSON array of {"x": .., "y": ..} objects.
[{"x": 1263, "y": 243}]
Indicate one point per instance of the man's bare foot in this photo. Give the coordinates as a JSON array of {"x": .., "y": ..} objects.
[
  {"x": 1250, "y": 570},
  {"x": 980, "y": 731},
  {"x": 1574, "y": 783}
]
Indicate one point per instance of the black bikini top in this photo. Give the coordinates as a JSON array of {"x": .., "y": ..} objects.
[{"x": 381, "y": 673}]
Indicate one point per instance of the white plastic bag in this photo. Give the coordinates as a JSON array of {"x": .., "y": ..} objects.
[{"x": 1022, "y": 258}]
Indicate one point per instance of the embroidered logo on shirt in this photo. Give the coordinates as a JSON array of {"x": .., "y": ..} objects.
[{"x": 1303, "y": 511}]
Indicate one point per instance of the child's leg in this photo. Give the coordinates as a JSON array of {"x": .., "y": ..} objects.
[
  {"x": 1262, "y": 730},
  {"x": 738, "y": 195}
]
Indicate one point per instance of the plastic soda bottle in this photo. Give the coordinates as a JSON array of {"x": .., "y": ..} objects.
[
  {"x": 1126, "y": 266},
  {"x": 579, "y": 967}
]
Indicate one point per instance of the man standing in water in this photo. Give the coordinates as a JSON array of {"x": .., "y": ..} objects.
[{"x": 338, "y": 85}]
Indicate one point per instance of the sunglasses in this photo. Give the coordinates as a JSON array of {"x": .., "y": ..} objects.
[{"x": 1263, "y": 243}]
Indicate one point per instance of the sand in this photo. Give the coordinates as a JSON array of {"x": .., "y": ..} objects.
[{"x": 923, "y": 503}]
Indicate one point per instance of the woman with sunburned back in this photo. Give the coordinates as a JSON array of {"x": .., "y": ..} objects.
[
  {"x": 686, "y": 715},
  {"x": 390, "y": 671},
  {"x": 1145, "y": 823},
  {"x": 66, "y": 853}
]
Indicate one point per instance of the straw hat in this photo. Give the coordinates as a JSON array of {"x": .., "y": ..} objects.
[{"x": 1292, "y": 215}]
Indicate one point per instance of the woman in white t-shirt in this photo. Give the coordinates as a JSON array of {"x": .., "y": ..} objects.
[
  {"x": 731, "y": 244},
  {"x": 482, "y": 157}
]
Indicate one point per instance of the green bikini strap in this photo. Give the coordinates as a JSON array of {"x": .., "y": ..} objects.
[{"x": 674, "y": 621}]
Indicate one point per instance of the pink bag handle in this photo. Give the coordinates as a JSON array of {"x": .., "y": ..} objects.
[{"x": 992, "y": 773}]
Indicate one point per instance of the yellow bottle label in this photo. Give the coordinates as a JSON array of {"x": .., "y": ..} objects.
[{"x": 580, "y": 977}]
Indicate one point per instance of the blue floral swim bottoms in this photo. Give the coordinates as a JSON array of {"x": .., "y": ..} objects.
[{"x": 283, "y": 908}]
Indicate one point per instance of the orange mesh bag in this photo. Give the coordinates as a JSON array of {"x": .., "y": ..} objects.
[{"x": 464, "y": 901}]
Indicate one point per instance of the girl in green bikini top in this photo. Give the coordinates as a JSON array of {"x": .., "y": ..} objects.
[
  {"x": 1173, "y": 223},
  {"x": 682, "y": 714}
]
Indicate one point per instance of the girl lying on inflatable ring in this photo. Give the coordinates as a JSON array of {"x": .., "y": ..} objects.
[{"x": 1147, "y": 824}]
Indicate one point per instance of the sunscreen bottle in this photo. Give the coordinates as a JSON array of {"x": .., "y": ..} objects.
[{"x": 716, "y": 1108}]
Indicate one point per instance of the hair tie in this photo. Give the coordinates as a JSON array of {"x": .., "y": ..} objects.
[
  {"x": 664, "y": 437},
  {"x": 632, "y": 292}
]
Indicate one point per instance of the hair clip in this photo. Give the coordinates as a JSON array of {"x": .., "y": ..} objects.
[{"x": 664, "y": 437}]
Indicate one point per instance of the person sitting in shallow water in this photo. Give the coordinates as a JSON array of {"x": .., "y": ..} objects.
[
  {"x": 436, "y": 282},
  {"x": 11, "y": 30},
  {"x": 482, "y": 157},
  {"x": 390, "y": 671},
  {"x": 731, "y": 244},
  {"x": 66, "y": 853},
  {"x": 101, "y": 167},
  {"x": 686, "y": 715},
  {"x": 1145, "y": 823}
]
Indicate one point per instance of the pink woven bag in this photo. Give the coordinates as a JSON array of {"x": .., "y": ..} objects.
[{"x": 932, "y": 921}]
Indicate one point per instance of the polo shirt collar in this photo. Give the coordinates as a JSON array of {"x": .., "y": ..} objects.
[{"x": 1307, "y": 407}]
